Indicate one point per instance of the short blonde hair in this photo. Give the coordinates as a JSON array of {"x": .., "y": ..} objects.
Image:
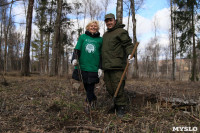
[{"x": 91, "y": 22}]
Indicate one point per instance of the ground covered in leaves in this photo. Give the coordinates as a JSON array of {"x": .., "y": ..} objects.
[{"x": 50, "y": 104}]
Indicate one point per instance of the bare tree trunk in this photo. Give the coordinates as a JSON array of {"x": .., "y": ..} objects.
[
  {"x": 1, "y": 44},
  {"x": 194, "y": 72},
  {"x": 63, "y": 64},
  {"x": 119, "y": 11},
  {"x": 17, "y": 51},
  {"x": 26, "y": 56},
  {"x": 67, "y": 65},
  {"x": 129, "y": 14},
  {"x": 180, "y": 72},
  {"x": 135, "y": 72},
  {"x": 105, "y": 4},
  {"x": 172, "y": 43},
  {"x": 91, "y": 9},
  {"x": 21, "y": 59},
  {"x": 85, "y": 11},
  {"x": 24, "y": 2},
  {"x": 5, "y": 51},
  {"x": 60, "y": 54},
  {"x": 6, "y": 39},
  {"x": 10, "y": 55},
  {"x": 48, "y": 40},
  {"x": 41, "y": 59},
  {"x": 167, "y": 69},
  {"x": 55, "y": 56}
]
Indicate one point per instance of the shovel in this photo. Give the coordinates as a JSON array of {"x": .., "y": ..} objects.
[{"x": 124, "y": 73}]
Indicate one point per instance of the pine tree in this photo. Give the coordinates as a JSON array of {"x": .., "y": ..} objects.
[{"x": 185, "y": 24}]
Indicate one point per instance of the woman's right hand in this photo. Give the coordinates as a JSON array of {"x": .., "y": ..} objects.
[{"x": 75, "y": 62}]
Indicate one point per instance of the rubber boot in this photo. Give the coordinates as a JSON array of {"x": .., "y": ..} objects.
[
  {"x": 112, "y": 109},
  {"x": 120, "y": 111},
  {"x": 87, "y": 108}
]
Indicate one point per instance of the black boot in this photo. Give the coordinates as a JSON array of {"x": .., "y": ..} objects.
[
  {"x": 87, "y": 108},
  {"x": 112, "y": 109},
  {"x": 120, "y": 111}
]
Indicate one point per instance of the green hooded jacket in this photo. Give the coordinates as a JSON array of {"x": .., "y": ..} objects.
[{"x": 116, "y": 47}]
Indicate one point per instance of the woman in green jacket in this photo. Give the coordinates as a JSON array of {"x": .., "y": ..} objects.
[{"x": 87, "y": 53}]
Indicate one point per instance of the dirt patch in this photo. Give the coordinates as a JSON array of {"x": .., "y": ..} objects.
[{"x": 50, "y": 104}]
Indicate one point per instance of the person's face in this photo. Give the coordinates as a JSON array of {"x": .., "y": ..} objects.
[
  {"x": 110, "y": 23},
  {"x": 93, "y": 28}
]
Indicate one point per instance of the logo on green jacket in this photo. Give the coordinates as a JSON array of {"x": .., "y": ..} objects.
[{"x": 90, "y": 48}]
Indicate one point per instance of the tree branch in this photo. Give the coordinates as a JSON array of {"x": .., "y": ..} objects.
[{"x": 5, "y": 4}]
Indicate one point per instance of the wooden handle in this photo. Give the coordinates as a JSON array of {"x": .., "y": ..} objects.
[{"x": 126, "y": 68}]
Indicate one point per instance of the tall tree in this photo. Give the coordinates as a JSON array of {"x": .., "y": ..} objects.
[
  {"x": 185, "y": 23},
  {"x": 133, "y": 6},
  {"x": 105, "y": 4},
  {"x": 55, "y": 50},
  {"x": 1, "y": 40},
  {"x": 77, "y": 7},
  {"x": 6, "y": 30},
  {"x": 152, "y": 52},
  {"x": 2, "y": 10},
  {"x": 135, "y": 72},
  {"x": 12, "y": 48},
  {"x": 49, "y": 30},
  {"x": 85, "y": 3},
  {"x": 94, "y": 10},
  {"x": 119, "y": 11},
  {"x": 26, "y": 56},
  {"x": 137, "y": 5},
  {"x": 172, "y": 41},
  {"x": 41, "y": 20}
]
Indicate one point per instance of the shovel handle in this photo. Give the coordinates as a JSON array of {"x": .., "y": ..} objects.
[{"x": 126, "y": 68}]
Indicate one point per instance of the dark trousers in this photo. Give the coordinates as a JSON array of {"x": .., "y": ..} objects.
[
  {"x": 112, "y": 79},
  {"x": 90, "y": 92}
]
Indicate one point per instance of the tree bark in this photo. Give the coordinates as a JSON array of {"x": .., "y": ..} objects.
[
  {"x": 6, "y": 39},
  {"x": 119, "y": 11},
  {"x": 41, "y": 59},
  {"x": 172, "y": 43},
  {"x": 85, "y": 11},
  {"x": 48, "y": 40},
  {"x": 105, "y": 4},
  {"x": 55, "y": 56},
  {"x": 1, "y": 45},
  {"x": 26, "y": 56},
  {"x": 135, "y": 72},
  {"x": 194, "y": 72},
  {"x": 129, "y": 14}
]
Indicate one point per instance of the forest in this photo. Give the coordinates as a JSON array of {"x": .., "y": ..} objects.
[{"x": 38, "y": 94}]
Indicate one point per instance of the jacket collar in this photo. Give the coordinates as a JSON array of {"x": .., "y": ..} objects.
[{"x": 97, "y": 34}]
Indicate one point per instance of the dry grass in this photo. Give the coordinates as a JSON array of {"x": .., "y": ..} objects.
[{"x": 49, "y": 104}]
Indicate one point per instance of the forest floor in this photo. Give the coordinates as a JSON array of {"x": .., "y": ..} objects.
[{"x": 38, "y": 104}]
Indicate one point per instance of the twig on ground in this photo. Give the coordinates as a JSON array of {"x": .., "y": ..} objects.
[
  {"x": 84, "y": 127},
  {"x": 107, "y": 127},
  {"x": 194, "y": 117}
]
